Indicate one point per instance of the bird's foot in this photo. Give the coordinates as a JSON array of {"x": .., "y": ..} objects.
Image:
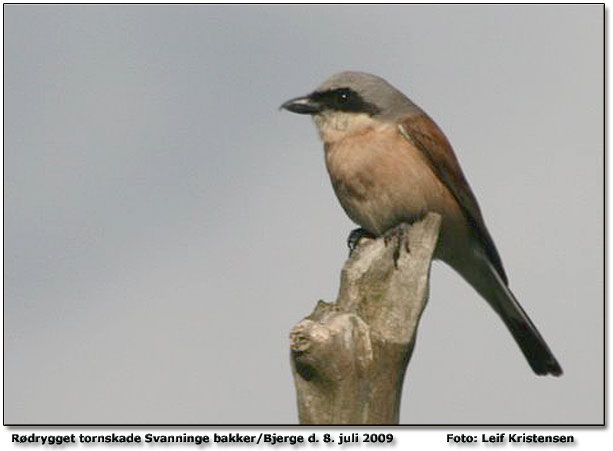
[
  {"x": 397, "y": 236},
  {"x": 355, "y": 236}
]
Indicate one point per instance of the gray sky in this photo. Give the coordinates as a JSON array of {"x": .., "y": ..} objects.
[{"x": 166, "y": 226}]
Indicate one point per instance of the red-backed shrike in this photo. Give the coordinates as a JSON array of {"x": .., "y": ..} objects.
[{"x": 390, "y": 163}]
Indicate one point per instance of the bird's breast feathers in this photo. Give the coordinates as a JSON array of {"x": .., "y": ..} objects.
[{"x": 381, "y": 179}]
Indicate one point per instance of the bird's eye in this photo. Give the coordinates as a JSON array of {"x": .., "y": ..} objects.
[{"x": 343, "y": 96}]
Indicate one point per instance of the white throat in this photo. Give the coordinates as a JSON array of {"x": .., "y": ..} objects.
[{"x": 334, "y": 126}]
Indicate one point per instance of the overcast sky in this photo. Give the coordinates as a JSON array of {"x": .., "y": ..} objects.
[{"x": 166, "y": 225}]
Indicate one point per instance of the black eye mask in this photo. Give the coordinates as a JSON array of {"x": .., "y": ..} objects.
[{"x": 344, "y": 99}]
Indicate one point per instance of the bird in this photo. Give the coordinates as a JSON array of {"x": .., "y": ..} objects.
[{"x": 390, "y": 163}]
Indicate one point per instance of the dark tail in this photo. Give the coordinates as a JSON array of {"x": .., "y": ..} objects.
[
  {"x": 491, "y": 286},
  {"x": 536, "y": 351}
]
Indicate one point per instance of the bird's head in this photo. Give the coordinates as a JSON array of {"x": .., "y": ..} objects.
[{"x": 351, "y": 102}]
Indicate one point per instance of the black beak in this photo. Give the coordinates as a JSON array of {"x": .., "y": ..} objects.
[{"x": 302, "y": 105}]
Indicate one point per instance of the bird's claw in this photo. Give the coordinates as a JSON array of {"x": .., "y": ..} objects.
[
  {"x": 398, "y": 236},
  {"x": 355, "y": 236}
]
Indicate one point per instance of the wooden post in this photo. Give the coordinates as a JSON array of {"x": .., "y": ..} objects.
[{"x": 349, "y": 358}]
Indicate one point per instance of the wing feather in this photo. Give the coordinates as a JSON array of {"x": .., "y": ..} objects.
[{"x": 424, "y": 134}]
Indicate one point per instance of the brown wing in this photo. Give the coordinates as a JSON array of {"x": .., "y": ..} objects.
[{"x": 430, "y": 140}]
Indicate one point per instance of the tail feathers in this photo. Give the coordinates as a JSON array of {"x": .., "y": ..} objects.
[
  {"x": 533, "y": 346},
  {"x": 491, "y": 286}
]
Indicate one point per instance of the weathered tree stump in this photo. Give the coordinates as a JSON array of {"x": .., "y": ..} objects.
[{"x": 349, "y": 358}]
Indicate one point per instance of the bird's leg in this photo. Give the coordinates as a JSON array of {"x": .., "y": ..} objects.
[
  {"x": 355, "y": 236},
  {"x": 396, "y": 235}
]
